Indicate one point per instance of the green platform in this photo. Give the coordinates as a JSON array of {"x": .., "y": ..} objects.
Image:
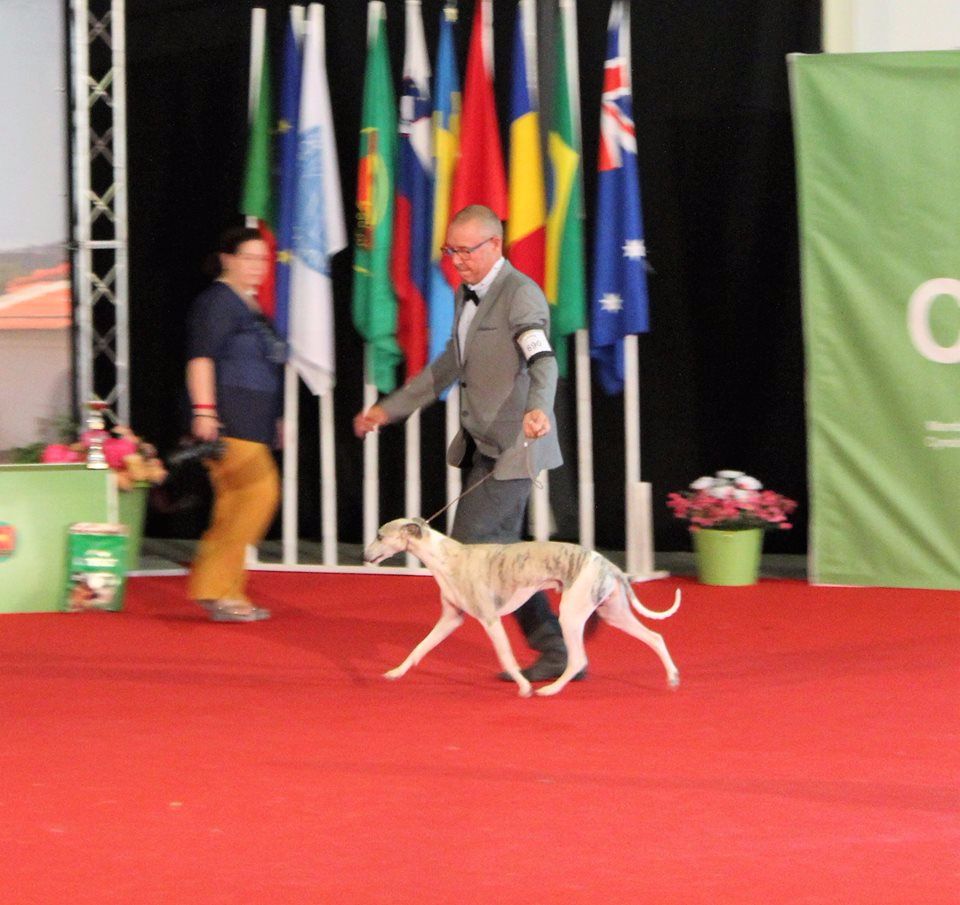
[{"x": 40, "y": 502}]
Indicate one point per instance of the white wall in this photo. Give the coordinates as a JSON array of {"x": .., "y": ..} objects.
[
  {"x": 881, "y": 25},
  {"x": 36, "y": 383}
]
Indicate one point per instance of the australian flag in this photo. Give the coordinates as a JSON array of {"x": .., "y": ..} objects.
[{"x": 619, "y": 302}]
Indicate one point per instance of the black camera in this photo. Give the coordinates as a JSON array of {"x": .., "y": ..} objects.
[
  {"x": 186, "y": 485},
  {"x": 194, "y": 451}
]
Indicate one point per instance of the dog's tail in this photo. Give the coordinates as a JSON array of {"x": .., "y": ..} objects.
[{"x": 643, "y": 611}]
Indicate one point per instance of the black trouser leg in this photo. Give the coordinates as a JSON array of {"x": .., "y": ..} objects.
[{"x": 493, "y": 514}]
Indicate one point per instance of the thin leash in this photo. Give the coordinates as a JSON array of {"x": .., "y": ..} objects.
[{"x": 474, "y": 486}]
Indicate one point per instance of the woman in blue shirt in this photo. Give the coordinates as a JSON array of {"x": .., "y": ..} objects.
[{"x": 235, "y": 382}]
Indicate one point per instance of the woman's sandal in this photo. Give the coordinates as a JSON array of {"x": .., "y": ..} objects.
[{"x": 234, "y": 611}]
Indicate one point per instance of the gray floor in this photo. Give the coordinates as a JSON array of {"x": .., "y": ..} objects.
[{"x": 159, "y": 556}]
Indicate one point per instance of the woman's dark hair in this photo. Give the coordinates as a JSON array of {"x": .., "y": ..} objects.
[
  {"x": 231, "y": 239},
  {"x": 227, "y": 244}
]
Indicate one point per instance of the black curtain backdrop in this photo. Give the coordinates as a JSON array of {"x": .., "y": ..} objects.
[{"x": 721, "y": 381}]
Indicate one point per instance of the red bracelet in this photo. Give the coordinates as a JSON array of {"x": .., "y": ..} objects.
[{"x": 200, "y": 405}]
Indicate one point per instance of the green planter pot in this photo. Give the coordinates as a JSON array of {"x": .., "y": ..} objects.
[{"x": 729, "y": 558}]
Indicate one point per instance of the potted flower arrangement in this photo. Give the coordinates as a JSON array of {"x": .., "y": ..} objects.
[
  {"x": 135, "y": 462},
  {"x": 728, "y": 514}
]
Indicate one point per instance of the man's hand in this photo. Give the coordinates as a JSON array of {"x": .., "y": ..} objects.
[
  {"x": 370, "y": 420},
  {"x": 535, "y": 424}
]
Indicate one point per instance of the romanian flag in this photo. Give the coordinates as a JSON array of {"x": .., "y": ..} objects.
[
  {"x": 526, "y": 227},
  {"x": 257, "y": 203},
  {"x": 413, "y": 214},
  {"x": 374, "y": 303},
  {"x": 446, "y": 138},
  {"x": 480, "y": 177},
  {"x": 565, "y": 285},
  {"x": 619, "y": 303}
]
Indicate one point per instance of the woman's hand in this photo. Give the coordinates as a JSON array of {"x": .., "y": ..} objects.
[{"x": 205, "y": 427}]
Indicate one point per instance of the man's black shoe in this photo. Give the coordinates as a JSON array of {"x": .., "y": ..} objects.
[{"x": 550, "y": 666}]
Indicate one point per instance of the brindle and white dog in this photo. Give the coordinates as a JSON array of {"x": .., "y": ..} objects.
[{"x": 489, "y": 580}]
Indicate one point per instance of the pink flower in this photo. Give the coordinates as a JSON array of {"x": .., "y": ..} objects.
[
  {"x": 731, "y": 501},
  {"x": 58, "y": 454},
  {"x": 115, "y": 448}
]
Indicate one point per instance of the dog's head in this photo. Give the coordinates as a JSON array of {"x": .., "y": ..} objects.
[{"x": 394, "y": 537}]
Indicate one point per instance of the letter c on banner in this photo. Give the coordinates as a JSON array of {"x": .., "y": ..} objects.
[{"x": 918, "y": 320}]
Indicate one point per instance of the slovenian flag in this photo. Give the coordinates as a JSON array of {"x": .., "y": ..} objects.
[
  {"x": 413, "y": 216},
  {"x": 526, "y": 227},
  {"x": 619, "y": 303}
]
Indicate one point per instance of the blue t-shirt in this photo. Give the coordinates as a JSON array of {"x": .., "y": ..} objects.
[{"x": 247, "y": 358}]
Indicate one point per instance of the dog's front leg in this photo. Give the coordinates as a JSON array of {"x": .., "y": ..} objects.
[
  {"x": 450, "y": 619},
  {"x": 501, "y": 644}
]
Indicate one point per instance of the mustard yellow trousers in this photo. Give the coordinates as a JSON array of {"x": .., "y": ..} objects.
[{"x": 246, "y": 490}]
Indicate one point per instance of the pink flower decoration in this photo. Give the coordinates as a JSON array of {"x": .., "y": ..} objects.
[
  {"x": 58, "y": 454},
  {"x": 116, "y": 448},
  {"x": 731, "y": 501}
]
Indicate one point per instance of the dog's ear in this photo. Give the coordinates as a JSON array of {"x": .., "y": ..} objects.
[{"x": 413, "y": 528}]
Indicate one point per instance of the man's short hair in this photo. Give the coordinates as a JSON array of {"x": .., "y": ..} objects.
[{"x": 479, "y": 213}]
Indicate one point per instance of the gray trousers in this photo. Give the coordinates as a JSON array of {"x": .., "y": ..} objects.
[{"x": 493, "y": 514}]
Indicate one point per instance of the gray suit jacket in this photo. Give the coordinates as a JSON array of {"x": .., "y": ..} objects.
[{"x": 497, "y": 386}]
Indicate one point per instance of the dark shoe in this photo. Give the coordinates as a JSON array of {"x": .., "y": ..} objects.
[{"x": 550, "y": 666}]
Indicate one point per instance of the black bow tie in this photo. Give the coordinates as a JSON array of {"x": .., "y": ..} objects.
[{"x": 469, "y": 295}]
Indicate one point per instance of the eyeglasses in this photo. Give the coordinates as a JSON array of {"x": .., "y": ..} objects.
[{"x": 463, "y": 252}]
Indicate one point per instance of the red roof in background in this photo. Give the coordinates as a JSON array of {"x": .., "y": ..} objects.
[{"x": 38, "y": 301}]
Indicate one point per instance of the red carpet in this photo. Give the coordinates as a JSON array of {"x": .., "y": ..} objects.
[{"x": 810, "y": 756}]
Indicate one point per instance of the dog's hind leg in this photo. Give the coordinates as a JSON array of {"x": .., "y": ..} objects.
[
  {"x": 616, "y": 611},
  {"x": 575, "y": 610},
  {"x": 508, "y": 662},
  {"x": 450, "y": 619}
]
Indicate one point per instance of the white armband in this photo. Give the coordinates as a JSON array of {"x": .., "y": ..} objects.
[{"x": 534, "y": 344}]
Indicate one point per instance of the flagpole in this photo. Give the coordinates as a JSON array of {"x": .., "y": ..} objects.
[
  {"x": 412, "y": 475},
  {"x": 371, "y": 457},
  {"x": 328, "y": 480},
  {"x": 454, "y": 475},
  {"x": 585, "y": 439},
  {"x": 639, "y": 527},
  {"x": 291, "y": 450}
]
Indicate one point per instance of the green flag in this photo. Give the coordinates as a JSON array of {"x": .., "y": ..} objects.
[
  {"x": 374, "y": 302},
  {"x": 565, "y": 282},
  {"x": 257, "y": 183},
  {"x": 257, "y": 202},
  {"x": 876, "y": 138}
]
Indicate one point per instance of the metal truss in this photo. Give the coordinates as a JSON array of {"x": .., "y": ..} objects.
[{"x": 100, "y": 261}]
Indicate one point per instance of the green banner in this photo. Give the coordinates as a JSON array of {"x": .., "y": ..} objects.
[{"x": 877, "y": 139}]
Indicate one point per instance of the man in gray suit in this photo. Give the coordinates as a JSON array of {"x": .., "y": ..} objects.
[{"x": 501, "y": 356}]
